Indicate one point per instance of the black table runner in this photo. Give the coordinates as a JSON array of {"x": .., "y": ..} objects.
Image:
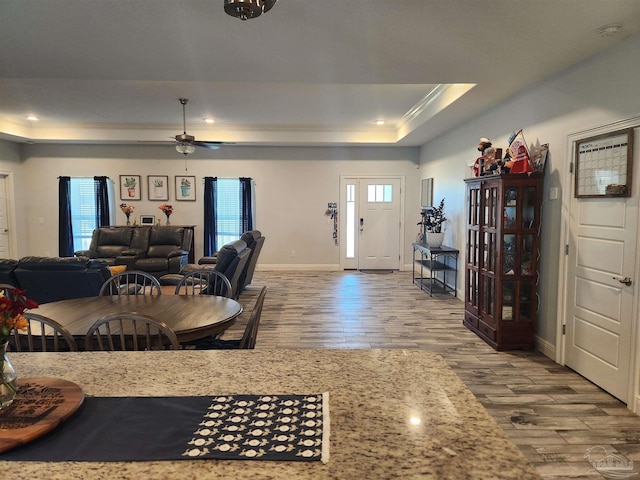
[{"x": 260, "y": 427}]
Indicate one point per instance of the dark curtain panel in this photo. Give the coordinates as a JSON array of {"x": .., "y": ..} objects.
[
  {"x": 102, "y": 201},
  {"x": 65, "y": 230},
  {"x": 210, "y": 218},
  {"x": 246, "y": 219}
]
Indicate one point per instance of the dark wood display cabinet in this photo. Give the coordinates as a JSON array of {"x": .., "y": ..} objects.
[{"x": 502, "y": 257}]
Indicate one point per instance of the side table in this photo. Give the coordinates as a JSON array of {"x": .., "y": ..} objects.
[{"x": 440, "y": 264}]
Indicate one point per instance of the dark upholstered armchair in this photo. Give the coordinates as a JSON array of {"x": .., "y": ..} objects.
[
  {"x": 254, "y": 241},
  {"x": 231, "y": 261}
]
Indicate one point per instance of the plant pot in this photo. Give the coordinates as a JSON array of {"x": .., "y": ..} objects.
[{"x": 435, "y": 239}]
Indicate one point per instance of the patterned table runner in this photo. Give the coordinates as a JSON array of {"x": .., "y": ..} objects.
[{"x": 228, "y": 427}]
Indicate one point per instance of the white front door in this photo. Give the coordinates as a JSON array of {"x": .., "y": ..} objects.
[
  {"x": 379, "y": 224},
  {"x": 601, "y": 287},
  {"x": 5, "y": 239}
]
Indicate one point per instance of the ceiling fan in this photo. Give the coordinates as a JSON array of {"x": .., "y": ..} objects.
[{"x": 187, "y": 143}]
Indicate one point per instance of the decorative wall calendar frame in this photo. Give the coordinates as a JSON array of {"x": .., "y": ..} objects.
[{"x": 604, "y": 165}]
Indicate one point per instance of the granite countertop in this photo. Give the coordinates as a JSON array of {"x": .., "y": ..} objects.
[{"x": 394, "y": 413}]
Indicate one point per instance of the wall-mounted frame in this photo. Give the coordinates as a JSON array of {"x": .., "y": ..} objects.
[
  {"x": 158, "y": 188},
  {"x": 185, "y": 188},
  {"x": 130, "y": 188},
  {"x": 147, "y": 220},
  {"x": 426, "y": 192},
  {"x": 604, "y": 165}
]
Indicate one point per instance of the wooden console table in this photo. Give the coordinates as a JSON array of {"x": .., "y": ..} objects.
[{"x": 435, "y": 260}]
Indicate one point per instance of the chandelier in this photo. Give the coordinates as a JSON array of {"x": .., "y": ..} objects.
[{"x": 246, "y": 9}]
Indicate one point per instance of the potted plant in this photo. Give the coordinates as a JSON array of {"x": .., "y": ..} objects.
[
  {"x": 158, "y": 190},
  {"x": 185, "y": 187},
  {"x": 130, "y": 185},
  {"x": 432, "y": 220}
]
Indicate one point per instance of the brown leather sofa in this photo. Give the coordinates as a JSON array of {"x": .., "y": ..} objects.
[{"x": 157, "y": 250}]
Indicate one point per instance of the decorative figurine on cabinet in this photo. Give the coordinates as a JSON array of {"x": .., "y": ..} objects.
[
  {"x": 520, "y": 161},
  {"x": 478, "y": 166}
]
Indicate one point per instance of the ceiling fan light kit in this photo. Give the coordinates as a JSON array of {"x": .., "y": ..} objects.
[
  {"x": 246, "y": 9},
  {"x": 185, "y": 143},
  {"x": 185, "y": 148}
]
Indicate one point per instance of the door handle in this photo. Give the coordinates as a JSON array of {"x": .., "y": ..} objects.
[
  {"x": 626, "y": 280},
  {"x": 361, "y": 224}
]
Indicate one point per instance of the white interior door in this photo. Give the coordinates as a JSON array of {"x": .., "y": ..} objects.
[
  {"x": 379, "y": 224},
  {"x": 5, "y": 238},
  {"x": 601, "y": 288}
]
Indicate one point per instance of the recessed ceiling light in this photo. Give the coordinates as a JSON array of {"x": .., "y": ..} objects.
[
  {"x": 609, "y": 30},
  {"x": 379, "y": 122},
  {"x": 209, "y": 120},
  {"x": 32, "y": 118}
]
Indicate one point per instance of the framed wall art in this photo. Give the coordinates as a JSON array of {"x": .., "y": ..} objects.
[
  {"x": 185, "y": 188},
  {"x": 158, "y": 187},
  {"x": 147, "y": 220},
  {"x": 130, "y": 188},
  {"x": 604, "y": 164}
]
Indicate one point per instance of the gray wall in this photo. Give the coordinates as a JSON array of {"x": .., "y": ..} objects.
[
  {"x": 293, "y": 187},
  {"x": 598, "y": 92}
]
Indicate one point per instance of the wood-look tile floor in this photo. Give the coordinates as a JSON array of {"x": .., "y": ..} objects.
[{"x": 553, "y": 414}]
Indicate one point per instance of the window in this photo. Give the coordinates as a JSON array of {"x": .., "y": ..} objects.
[
  {"x": 228, "y": 211},
  {"x": 351, "y": 221},
  {"x": 84, "y": 216},
  {"x": 379, "y": 193}
]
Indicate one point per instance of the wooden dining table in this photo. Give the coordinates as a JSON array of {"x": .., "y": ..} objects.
[{"x": 190, "y": 316}]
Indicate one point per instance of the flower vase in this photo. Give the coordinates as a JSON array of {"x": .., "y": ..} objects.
[
  {"x": 168, "y": 223},
  {"x": 128, "y": 222},
  {"x": 8, "y": 378}
]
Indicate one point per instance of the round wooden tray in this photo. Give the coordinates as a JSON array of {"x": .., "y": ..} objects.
[{"x": 40, "y": 406}]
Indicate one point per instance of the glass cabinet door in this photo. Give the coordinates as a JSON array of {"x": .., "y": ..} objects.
[
  {"x": 529, "y": 207},
  {"x": 510, "y": 213}
]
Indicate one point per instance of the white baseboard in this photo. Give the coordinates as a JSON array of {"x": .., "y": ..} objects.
[
  {"x": 279, "y": 267},
  {"x": 546, "y": 348}
]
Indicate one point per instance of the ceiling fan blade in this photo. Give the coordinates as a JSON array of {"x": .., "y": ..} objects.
[{"x": 212, "y": 145}]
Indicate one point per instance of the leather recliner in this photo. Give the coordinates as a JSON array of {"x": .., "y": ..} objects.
[
  {"x": 254, "y": 240},
  {"x": 231, "y": 260},
  {"x": 107, "y": 244},
  {"x": 158, "y": 250}
]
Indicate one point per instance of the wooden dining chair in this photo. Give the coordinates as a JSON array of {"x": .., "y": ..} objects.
[
  {"x": 249, "y": 337},
  {"x": 43, "y": 335},
  {"x": 205, "y": 281},
  {"x": 130, "y": 331},
  {"x": 131, "y": 282},
  {"x": 6, "y": 290}
]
